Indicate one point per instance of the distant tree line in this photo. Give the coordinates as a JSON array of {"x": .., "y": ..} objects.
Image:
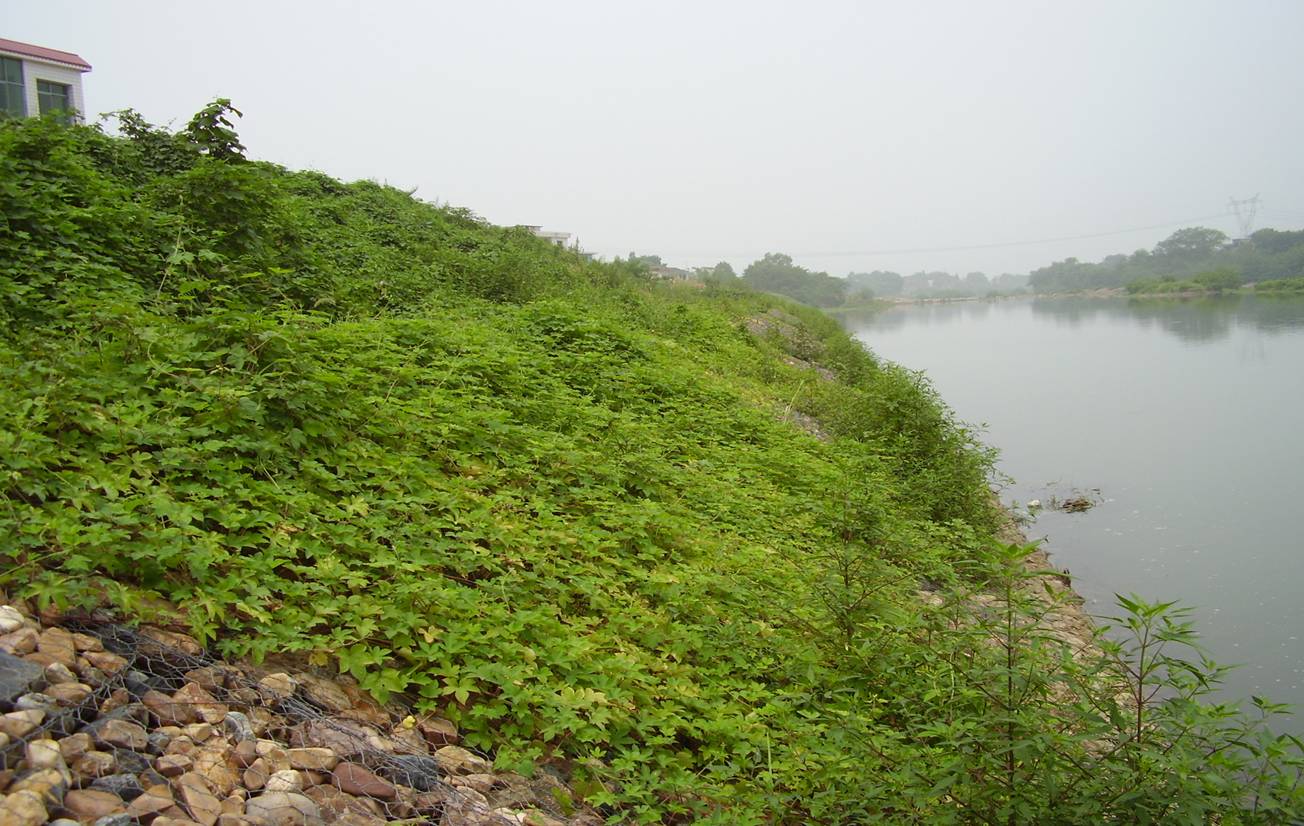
[{"x": 1193, "y": 257}]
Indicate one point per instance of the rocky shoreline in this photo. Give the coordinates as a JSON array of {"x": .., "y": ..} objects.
[{"x": 105, "y": 725}]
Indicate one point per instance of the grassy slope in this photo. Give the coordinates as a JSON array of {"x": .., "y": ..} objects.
[{"x": 547, "y": 497}]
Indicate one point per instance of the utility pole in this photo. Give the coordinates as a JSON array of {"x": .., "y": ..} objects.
[{"x": 1245, "y": 210}]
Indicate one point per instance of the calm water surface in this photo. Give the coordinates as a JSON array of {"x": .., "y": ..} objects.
[{"x": 1187, "y": 415}]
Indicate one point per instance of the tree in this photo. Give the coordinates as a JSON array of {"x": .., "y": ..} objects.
[
  {"x": 776, "y": 273},
  {"x": 721, "y": 273},
  {"x": 878, "y": 282},
  {"x": 1192, "y": 242}
]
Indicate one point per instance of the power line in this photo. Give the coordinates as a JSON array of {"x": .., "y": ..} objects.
[{"x": 1245, "y": 211}]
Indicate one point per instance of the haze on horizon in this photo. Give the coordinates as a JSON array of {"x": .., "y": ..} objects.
[{"x": 701, "y": 133}]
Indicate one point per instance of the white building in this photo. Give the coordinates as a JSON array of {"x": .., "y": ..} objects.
[{"x": 35, "y": 80}]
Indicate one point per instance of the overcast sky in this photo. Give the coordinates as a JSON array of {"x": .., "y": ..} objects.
[{"x": 832, "y": 131}]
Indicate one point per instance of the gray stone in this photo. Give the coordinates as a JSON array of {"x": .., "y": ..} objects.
[
  {"x": 238, "y": 726},
  {"x": 123, "y": 819},
  {"x": 11, "y": 619},
  {"x": 130, "y": 762},
  {"x": 421, "y": 773},
  {"x": 125, "y": 786},
  {"x": 18, "y": 677},
  {"x": 284, "y": 809},
  {"x": 38, "y": 701}
]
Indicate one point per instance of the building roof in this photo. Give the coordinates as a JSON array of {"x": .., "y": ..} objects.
[{"x": 42, "y": 53}]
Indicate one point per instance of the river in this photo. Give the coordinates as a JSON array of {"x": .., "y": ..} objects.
[{"x": 1187, "y": 417}]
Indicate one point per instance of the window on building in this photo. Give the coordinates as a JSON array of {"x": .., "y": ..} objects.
[
  {"x": 53, "y": 97},
  {"x": 13, "y": 101}
]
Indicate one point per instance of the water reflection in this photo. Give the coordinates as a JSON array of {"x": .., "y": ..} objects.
[{"x": 1195, "y": 320}]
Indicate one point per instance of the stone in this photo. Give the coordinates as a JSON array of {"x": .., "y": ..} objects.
[
  {"x": 22, "y": 809},
  {"x": 358, "y": 780},
  {"x": 130, "y": 761},
  {"x": 85, "y": 642},
  {"x": 438, "y": 731},
  {"x": 37, "y": 700},
  {"x": 483, "y": 783},
  {"x": 173, "y": 765},
  {"x": 324, "y": 693},
  {"x": 11, "y": 619},
  {"x": 245, "y": 753},
  {"x": 238, "y": 727},
  {"x": 125, "y": 786},
  {"x": 95, "y": 764},
  {"x": 284, "y": 809},
  {"x": 199, "y": 732},
  {"x": 212, "y": 764},
  {"x": 69, "y": 694},
  {"x": 344, "y": 737},
  {"x": 205, "y": 704},
  {"x": 89, "y": 805},
  {"x": 457, "y": 760},
  {"x": 19, "y": 724},
  {"x": 56, "y": 673},
  {"x": 45, "y": 754},
  {"x": 119, "y": 734},
  {"x": 263, "y": 720},
  {"x": 18, "y": 677},
  {"x": 287, "y": 780},
  {"x": 256, "y": 775},
  {"x": 168, "y": 711},
  {"x": 105, "y": 661},
  {"x": 535, "y": 817},
  {"x": 75, "y": 745},
  {"x": 118, "y": 698},
  {"x": 314, "y": 759},
  {"x": 156, "y": 799},
  {"x": 158, "y": 742},
  {"x": 233, "y": 804},
  {"x": 47, "y": 784},
  {"x": 180, "y": 744},
  {"x": 276, "y": 687},
  {"x": 172, "y": 640},
  {"x": 57, "y": 644},
  {"x": 409, "y": 741},
  {"x": 20, "y": 642},
  {"x": 64, "y": 821},
  {"x": 418, "y": 771},
  {"x": 122, "y": 819},
  {"x": 209, "y": 677},
  {"x": 196, "y": 798},
  {"x": 334, "y": 803}
]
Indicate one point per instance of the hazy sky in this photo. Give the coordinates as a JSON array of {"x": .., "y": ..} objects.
[{"x": 705, "y": 131}]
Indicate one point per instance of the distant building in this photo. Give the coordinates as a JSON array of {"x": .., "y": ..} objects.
[
  {"x": 558, "y": 238},
  {"x": 35, "y": 80}
]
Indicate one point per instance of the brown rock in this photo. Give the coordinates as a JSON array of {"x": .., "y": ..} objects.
[
  {"x": 334, "y": 803},
  {"x": 212, "y": 764},
  {"x": 205, "y": 704},
  {"x": 85, "y": 642},
  {"x": 196, "y": 798},
  {"x": 105, "y": 661},
  {"x": 275, "y": 756},
  {"x": 324, "y": 693},
  {"x": 255, "y": 777},
  {"x": 94, "y": 764},
  {"x": 284, "y": 809},
  {"x": 47, "y": 784},
  {"x": 344, "y": 737},
  {"x": 358, "y": 780},
  {"x": 438, "y": 731},
  {"x": 261, "y": 720},
  {"x": 168, "y": 711},
  {"x": 89, "y": 805},
  {"x": 534, "y": 817},
  {"x": 155, "y": 800},
  {"x": 6, "y": 777},
  {"x": 22, "y": 809},
  {"x": 116, "y": 700},
  {"x": 56, "y": 673},
  {"x": 237, "y": 820},
  {"x": 457, "y": 760},
  {"x": 173, "y": 765},
  {"x": 57, "y": 643},
  {"x": 408, "y": 741},
  {"x": 209, "y": 678},
  {"x": 245, "y": 753},
  {"x": 18, "y": 724},
  {"x": 172, "y": 817},
  {"x": 172, "y": 639},
  {"x": 276, "y": 687},
  {"x": 75, "y": 745},
  {"x": 69, "y": 694},
  {"x": 287, "y": 780},
  {"x": 121, "y": 734},
  {"x": 45, "y": 754},
  {"x": 199, "y": 732},
  {"x": 483, "y": 783},
  {"x": 21, "y": 642},
  {"x": 315, "y": 759}
]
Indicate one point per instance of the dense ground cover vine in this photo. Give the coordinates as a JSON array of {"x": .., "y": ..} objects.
[{"x": 563, "y": 504}]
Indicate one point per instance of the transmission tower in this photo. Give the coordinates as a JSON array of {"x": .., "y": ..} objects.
[{"x": 1245, "y": 210}]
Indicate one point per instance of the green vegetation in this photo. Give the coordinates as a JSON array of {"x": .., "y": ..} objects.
[
  {"x": 775, "y": 273},
  {"x": 1285, "y": 286},
  {"x": 567, "y": 506},
  {"x": 1183, "y": 262}
]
